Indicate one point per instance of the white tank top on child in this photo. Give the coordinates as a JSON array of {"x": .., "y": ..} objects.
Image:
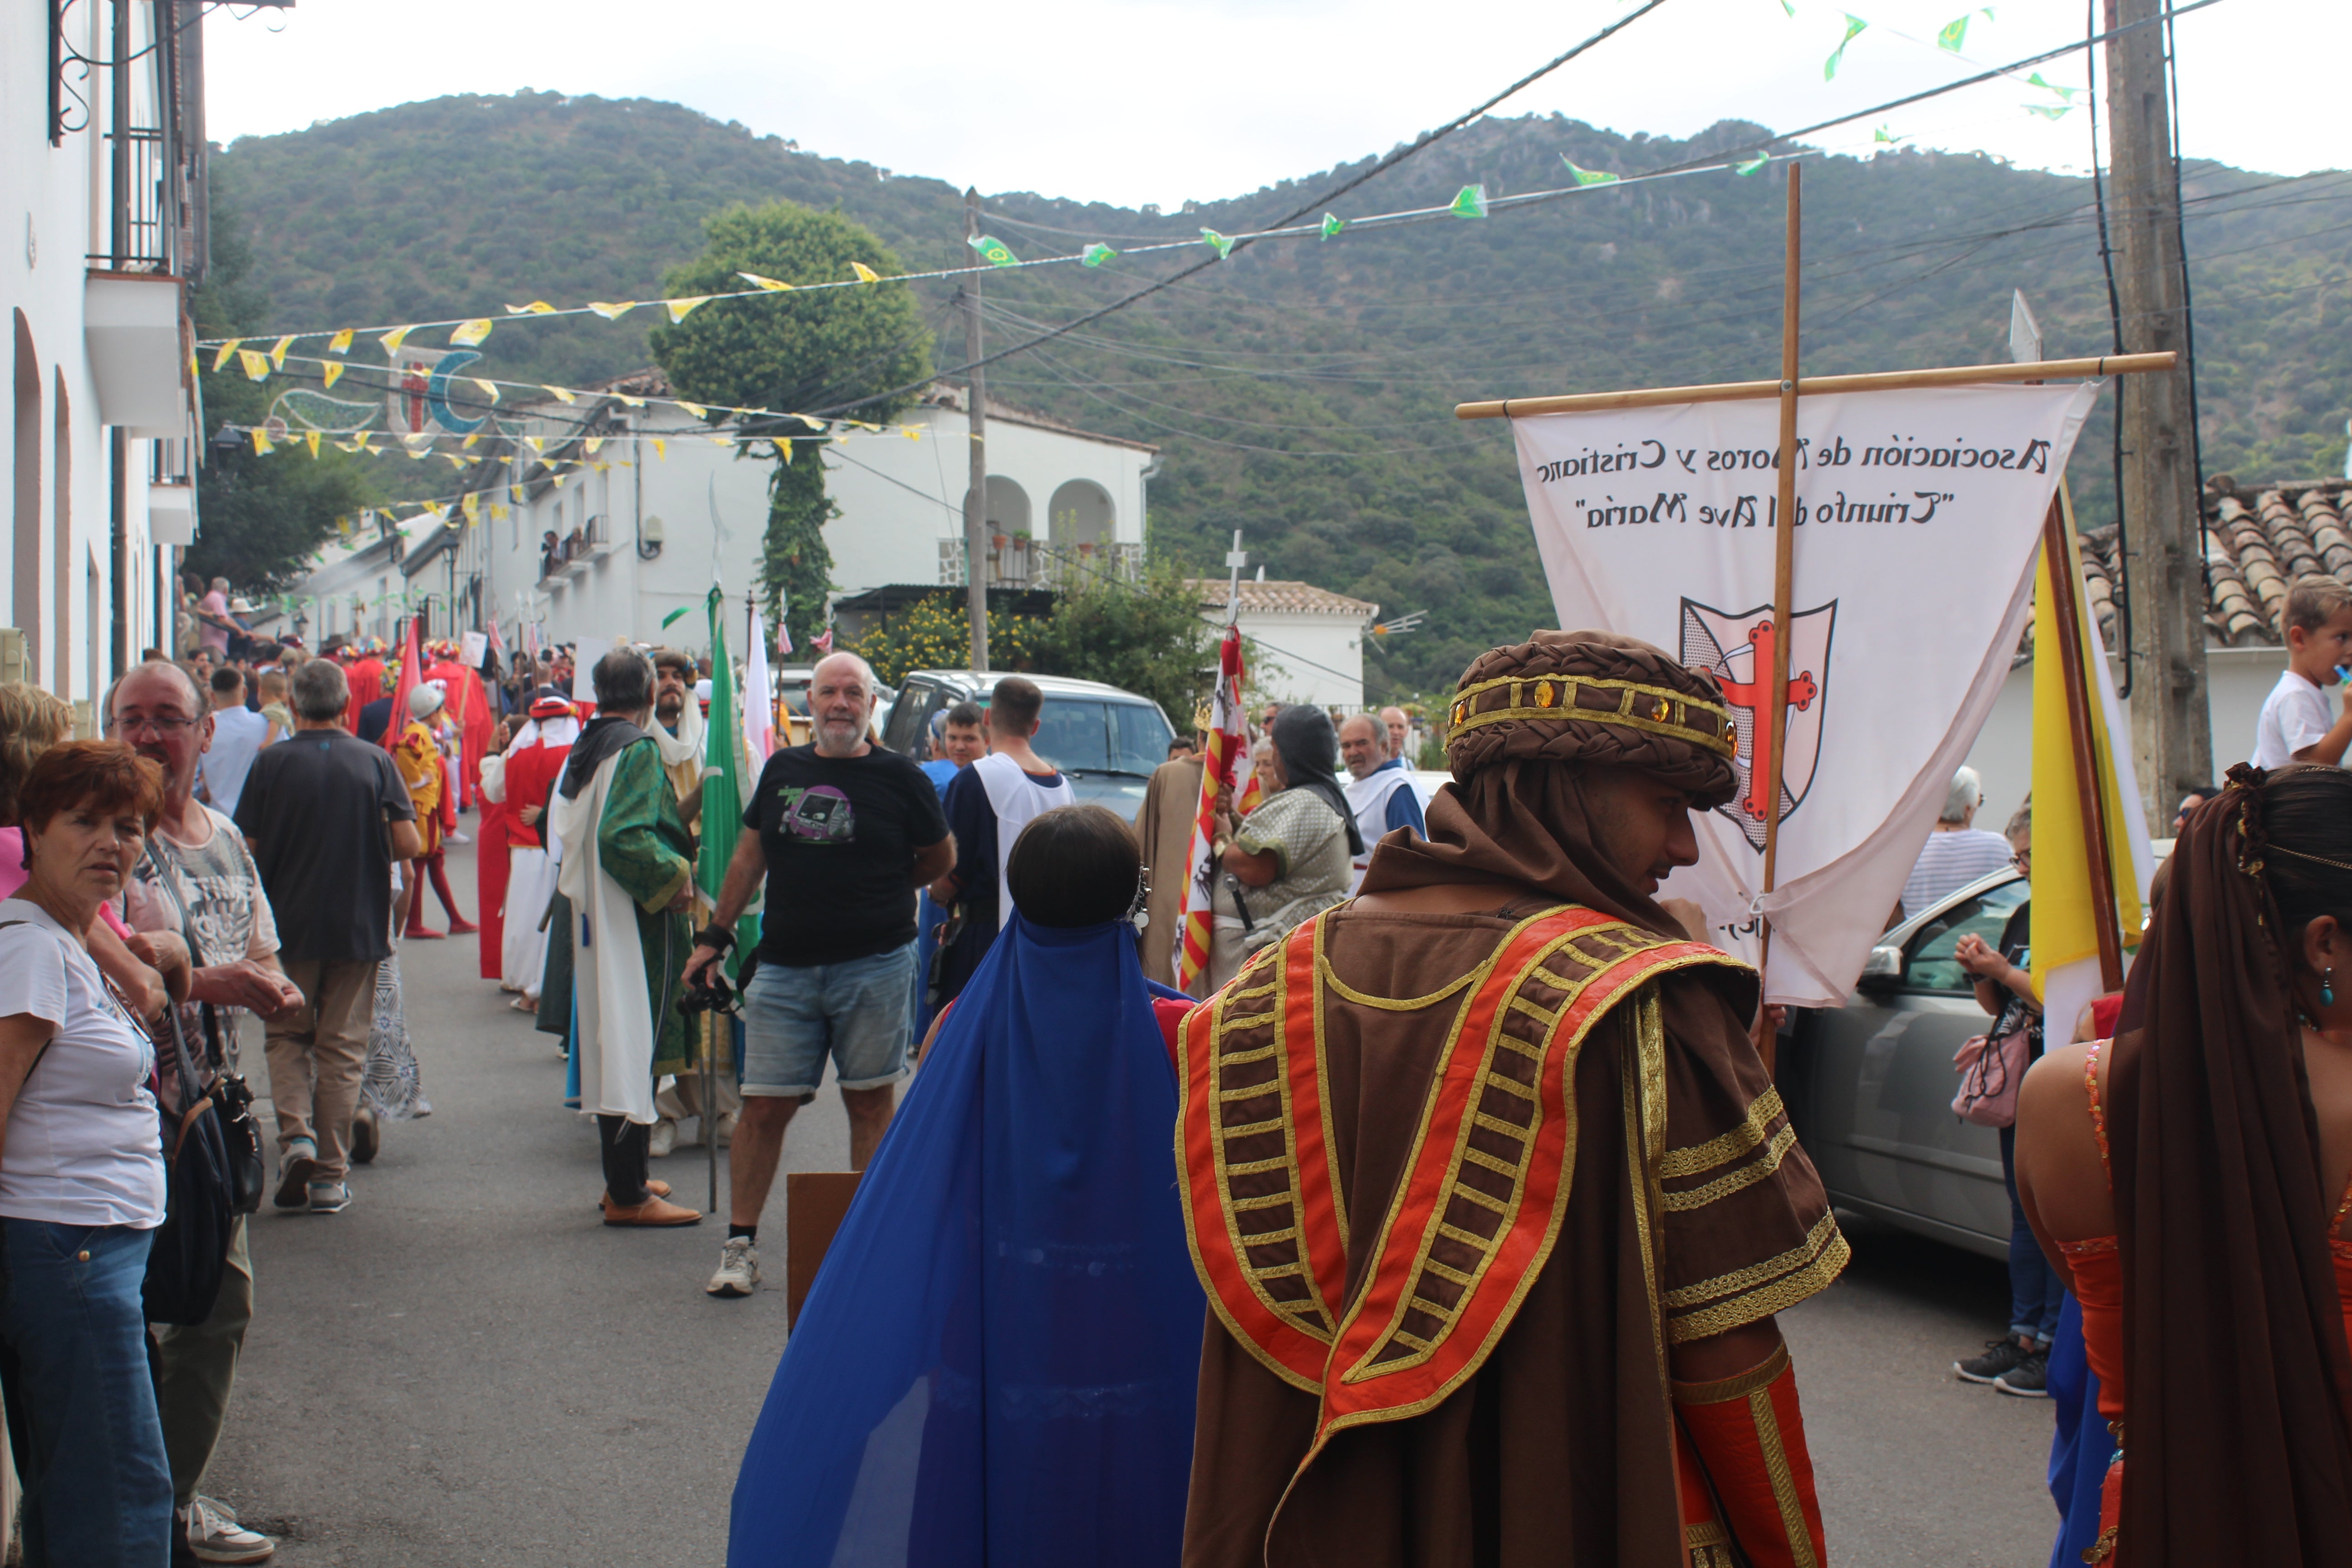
[{"x": 1017, "y": 798}]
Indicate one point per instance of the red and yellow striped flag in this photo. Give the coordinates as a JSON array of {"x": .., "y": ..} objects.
[{"x": 1228, "y": 749}]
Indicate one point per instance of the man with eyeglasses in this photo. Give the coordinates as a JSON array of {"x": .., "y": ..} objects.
[{"x": 198, "y": 881}]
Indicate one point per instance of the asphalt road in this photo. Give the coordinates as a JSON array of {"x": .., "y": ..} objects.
[{"x": 466, "y": 1367}]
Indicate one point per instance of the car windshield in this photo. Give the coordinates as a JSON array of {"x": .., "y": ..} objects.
[
  {"x": 1931, "y": 966},
  {"x": 1086, "y": 734}
]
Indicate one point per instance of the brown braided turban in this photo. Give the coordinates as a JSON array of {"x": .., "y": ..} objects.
[{"x": 1594, "y": 697}]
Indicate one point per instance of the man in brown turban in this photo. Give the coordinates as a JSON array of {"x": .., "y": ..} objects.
[{"x": 1492, "y": 1197}]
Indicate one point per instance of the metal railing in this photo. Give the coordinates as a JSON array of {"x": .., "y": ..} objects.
[{"x": 1018, "y": 561}]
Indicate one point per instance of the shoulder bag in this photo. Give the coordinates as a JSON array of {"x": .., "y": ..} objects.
[
  {"x": 232, "y": 1098},
  {"x": 188, "y": 1256}
]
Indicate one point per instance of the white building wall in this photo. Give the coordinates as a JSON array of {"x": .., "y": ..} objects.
[{"x": 1303, "y": 657}]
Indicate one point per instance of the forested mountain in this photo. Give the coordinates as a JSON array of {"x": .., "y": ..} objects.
[{"x": 1302, "y": 391}]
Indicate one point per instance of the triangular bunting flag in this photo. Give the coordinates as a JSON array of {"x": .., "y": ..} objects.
[{"x": 468, "y": 333}]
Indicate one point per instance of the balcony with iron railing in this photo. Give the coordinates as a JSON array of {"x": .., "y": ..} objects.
[{"x": 1019, "y": 560}]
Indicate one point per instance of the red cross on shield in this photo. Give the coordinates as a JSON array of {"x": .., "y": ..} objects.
[{"x": 1736, "y": 647}]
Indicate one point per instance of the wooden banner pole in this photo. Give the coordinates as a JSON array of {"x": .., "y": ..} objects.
[
  {"x": 1817, "y": 385},
  {"x": 1784, "y": 570},
  {"x": 2091, "y": 796}
]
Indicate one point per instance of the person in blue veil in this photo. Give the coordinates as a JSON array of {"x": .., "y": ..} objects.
[{"x": 997, "y": 1362}]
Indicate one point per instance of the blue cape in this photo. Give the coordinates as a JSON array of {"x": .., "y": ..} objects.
[{"x": 997, "y": 1362}]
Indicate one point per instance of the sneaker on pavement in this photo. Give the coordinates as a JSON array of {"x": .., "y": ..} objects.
[
  {"x": 367, "y": 1137},
  {"x": 330, "y": 1197},
  {"x": 739, "y": 1268},
  {"x": 214, "y": 1534},
  {"x": 2029, "y": 1379},
  {"x": 297, "y": 1164},
  {"x": 662, "y": 1140},
  {"x": 727, "y": 1130},
  {"x": 2002, "y": 1355}
]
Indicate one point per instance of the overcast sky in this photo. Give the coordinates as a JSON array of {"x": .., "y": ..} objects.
[{"x": 1159, "y": 101}]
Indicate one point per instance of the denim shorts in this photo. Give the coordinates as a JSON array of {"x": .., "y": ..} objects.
[{"x": 857, "y": 1012}]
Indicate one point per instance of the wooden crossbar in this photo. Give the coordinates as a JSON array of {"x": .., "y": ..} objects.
[{"x": 1816, "y": 386}]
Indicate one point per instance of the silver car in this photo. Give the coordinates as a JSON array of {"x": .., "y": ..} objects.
[{"x": 1870, "y": 1085}]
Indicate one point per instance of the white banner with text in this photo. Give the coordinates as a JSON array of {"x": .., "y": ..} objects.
[{"x": 1917, "y": 517}]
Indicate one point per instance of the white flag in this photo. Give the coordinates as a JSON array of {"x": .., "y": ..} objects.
[
  {"x": 758, "y": 700},
  {"x": 1919, "y": 513}
]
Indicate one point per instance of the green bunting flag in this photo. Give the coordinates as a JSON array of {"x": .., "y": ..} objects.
[
  {"x": 2065, "y": 92},
  {"x": 1587, "y": 177},
  {"x": 1854, "y": 27},
  {"x": 997, "y": 252},
  {"x": 670, "y": 619},
  {"x": 1886, "y": 134},
  {"x": 722, "y": 791},
  {"x": 1953, "y": 35},
  {"x": 1332, "y": 224},
  {"x": 1096, "y": 254},
  {"x": 1471, "y": 203},
  {"x": 1221, "y": 244},
  {"x": 2050, "y": 110},
  {"x": 1751, "y": 165}
]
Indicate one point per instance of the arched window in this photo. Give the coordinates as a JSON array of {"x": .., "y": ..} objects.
[
  {"x": 1080, "y": 516},
  {"x": 1008, "y": 506}
]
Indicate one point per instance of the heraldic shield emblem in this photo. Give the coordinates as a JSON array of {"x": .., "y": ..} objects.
[{"x": 1737, "y": 649}]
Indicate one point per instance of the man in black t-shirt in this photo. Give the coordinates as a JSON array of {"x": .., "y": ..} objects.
[{"x": 843, "y": 832}]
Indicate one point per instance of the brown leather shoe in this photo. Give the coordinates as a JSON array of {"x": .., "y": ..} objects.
[
  {"x": 658, "y": 1189},
  {"x": 652, "y": 1212}
]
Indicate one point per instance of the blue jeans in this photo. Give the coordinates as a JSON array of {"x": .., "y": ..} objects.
[
  {"x": 81, "y": 1402},
  {"x": 2035, "y": 1291}
]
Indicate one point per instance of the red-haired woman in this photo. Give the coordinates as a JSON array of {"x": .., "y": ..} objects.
[{"x": 81, "y": 1175}]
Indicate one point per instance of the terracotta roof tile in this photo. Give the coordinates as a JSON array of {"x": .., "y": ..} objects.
[{"x": 1286, "y": 598}]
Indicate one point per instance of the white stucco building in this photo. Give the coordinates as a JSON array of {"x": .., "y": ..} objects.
[
  {"x": 656, "y": 509},
  {"x": 1301, "y": 643},
  {"x": 101, "y": 155}
]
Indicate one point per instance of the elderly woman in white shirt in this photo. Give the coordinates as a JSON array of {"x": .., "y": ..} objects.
[{"x": 81, "y": 1174}]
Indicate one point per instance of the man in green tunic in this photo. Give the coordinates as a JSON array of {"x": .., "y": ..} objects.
[{"x": 626, "y": 868}]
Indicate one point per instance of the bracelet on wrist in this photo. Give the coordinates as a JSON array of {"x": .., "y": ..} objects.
[{"x": 716, "y": 936}]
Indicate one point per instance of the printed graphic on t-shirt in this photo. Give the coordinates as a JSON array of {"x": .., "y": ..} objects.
[{"x": 821, "y": 815}]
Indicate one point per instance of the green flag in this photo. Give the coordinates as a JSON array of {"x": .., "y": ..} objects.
[
  {"x": 1471, "y": 203},
  {"x": 1222, "y": 244},
  {"x": 722, "y": 791},
  {"x": 1854, "y": 27},
  {"x": 1096, "y": 254},
  {"x": 997, "y": 252},
  {"x": 1587, "y": 177},
  {"x": 1332, "y": 224}
]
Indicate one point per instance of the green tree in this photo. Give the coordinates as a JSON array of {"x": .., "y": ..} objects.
[
  {"x": 843, "y": 349},
  {"x": 1146, "y": 637},
  {"x": 261, "y": 514},
  {"x": 934, "y": 633}
]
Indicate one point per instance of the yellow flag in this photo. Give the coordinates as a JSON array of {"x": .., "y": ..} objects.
[
  {"x": 661, "y": 448},
  {"x": 914, "y": 432},
  {"x": 865, "y": 274},
  {"x": 454, "y": 460},
  {"x": 612, "y": 312},
  {"x": 394, "y": 338},
  {"x": 628, "y": 402},
  {"x": 679, "y": 309},
  {"x": 227, "y": 349},
  {"x": 256, "y": 362},
  {"x": 2064, "y": 927},
  {"x": 771, "y": 285},
  {"x": 470, "y": 439},
  {"x": 278, "y": 352},
  {"x": 562, "y": 395},
  {"x": 468, "y": 333},
  {"x": 331, "y": 372},
  {"x": 591, "y": 443},
  {"x": 537, "y": 446},
  {"x": 696, "y": 409},
  {"x": 785, "y": 450},
  {"x": 261, "y": 441},
  {"x": 497, "y": 512},
  {"x": 536, "y": 307},
  {"x": 489, "y": 388},
  {"x": 311, "y": 439},
  {"x": 473, "y": 508},
  {"x": 560, "y": 479},
  {"x": 341, "y": 343},
  {"x": 722, "y": 440}
]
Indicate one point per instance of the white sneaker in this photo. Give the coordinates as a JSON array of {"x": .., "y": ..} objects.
[
  {"x": 727, "y": 1130},
  {"x": 215, "y": 1535},
  {"x": 663, "y": 1139},
  {"x": 739, "y": 1268}
]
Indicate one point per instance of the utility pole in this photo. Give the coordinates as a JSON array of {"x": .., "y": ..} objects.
[
  {"x": 2171, "y": 725},
  {"x": 975, "y": 504}
]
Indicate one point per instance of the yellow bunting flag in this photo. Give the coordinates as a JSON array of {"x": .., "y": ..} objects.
[
  {"x": 562, "y": 395},
  {"x": 536, "y": 307},
  {"x": 221, "y": 359},
  {"x": 612, "y": 312},
  {"x": 468, "y": 333},
  {"x": 591, "y": 443},
  {"x": 489, "y": 388},
  {"x": 771, "y": 285},
  {"x": 470, "y": 440},
  {"x": 311, "y": 439},
  {"x": 679, "y": 309},
  {"x": 560, "y": 479},
  {"x": 472, "y": 505},
  {"x": 454, "y": 460},
  {"x": 914, "y": 432},
  {"x": 722, "y": 440},
  {"x": 394, "y": 338},
  {"x": 661, "y": 448},
  {"x": 628, "y": 402},
  {"x": 497, "y": 511},
  {"x": 865, "y": 274},
  {"x": 341, "y": 343},
  {"x": 784, "y": 450},
  {"x": 278, "y": 352},
  {"x": 696, "y": 409},
  {"x": 537, "y": 446},
  {"x": 261, "y": 441},
  {"x": 331, "y": 372},
  {"x": 256, "y": 362}
]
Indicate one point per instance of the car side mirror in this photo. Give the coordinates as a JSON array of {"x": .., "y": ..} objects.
[{"x": 1882, "y": 970}]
